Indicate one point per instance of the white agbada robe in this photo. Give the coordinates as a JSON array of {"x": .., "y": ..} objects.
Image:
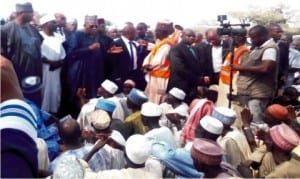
[{"x": 53, "y": 50}]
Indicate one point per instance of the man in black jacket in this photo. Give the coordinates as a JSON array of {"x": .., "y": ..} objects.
[{"x": 187, "y": 70}]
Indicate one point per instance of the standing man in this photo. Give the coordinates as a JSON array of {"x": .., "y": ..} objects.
[
  {"x": 126, "y": 64},
  {"x": 214, "y": 52},
  {"x": 142, "y": 40},
  {"x": 61, "y": 30},
  {"x": 186, "y": 69},
  {"x": 53, "y": 54},
  {"x": 85, "y": 63},
  {"x": 257, "y": 80},
  {"x": 21, "y": 43},
  {"x": 275, "y": 32},
  {"x": 157, "y": 63}
]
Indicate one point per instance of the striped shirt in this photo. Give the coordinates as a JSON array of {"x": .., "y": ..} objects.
[{"x": 17, "y": 114}]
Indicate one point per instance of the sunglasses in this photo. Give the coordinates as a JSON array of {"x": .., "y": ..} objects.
[{"x": 93, "y": 27}]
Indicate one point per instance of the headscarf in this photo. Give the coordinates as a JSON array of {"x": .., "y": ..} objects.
[{"x": 198, "y": 109}]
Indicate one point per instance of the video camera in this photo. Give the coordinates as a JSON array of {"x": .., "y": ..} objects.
[{"x": 228, "y": 30}]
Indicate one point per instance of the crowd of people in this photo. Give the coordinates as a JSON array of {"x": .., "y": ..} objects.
[{"x": 131, "y": 103}]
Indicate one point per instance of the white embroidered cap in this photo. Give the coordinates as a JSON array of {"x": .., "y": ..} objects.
[
  {"x": 211, "y": 125},
  {"x": 109, "y": 86},
  {"x": 177, "y": 93}
]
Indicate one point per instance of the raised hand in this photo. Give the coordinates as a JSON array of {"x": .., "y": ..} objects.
[
  {"x": 291, "y": 112},
  {"x": 246, "y": 116}
]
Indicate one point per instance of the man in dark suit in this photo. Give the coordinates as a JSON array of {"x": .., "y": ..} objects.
[
  {"x": 275, "y": 32},
  {"x": 214, "y": 53},
  {"x": 62, "y": 32},
  {"x": 126, "y": 64},
  {"x": 187, "y": 70}
]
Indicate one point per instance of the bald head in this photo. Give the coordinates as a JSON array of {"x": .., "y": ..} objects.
[
  {"x": 213, "y": 37},
  {"x": 69, "y": 131},
  {"x": 61, "y": 19},
  {"x": 128, "y": 31}
]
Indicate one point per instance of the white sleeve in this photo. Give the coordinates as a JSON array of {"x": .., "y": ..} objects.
[{"x": 269, "y": 54}]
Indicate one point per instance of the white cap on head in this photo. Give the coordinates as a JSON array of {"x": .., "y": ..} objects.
[
  {"x": 225, "y": 115},
  {"x": 118, "y": 137},
  {"x": 138, "y": 148},
  {"x": 109, "y": 86},
  {"x": 177, "y": 93},
  {"x": 47, "y": 18},
  {"x": 211, "y": 125},
  {"x": 181, "y": 110},
  {"x": 99, "y": 118},
  {"x": 151, "y": 109}
]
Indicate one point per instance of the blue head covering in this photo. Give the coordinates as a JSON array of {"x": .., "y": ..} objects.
[
  {"x": 137, "y": 97},
  {"x": 225, "y": 115},
  {"x": 178, "y": 160},
  {"x": 26, "y": 7},
  {"x": 106, "y": 105}
]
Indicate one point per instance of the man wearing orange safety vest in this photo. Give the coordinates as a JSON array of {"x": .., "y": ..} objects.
[
  {"x": 241, "y": 51},
  {"x": 157, "y": 64}
]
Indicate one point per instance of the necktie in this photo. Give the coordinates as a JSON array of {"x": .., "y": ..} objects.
[
  {"x": 131, "y": 55},
  {"x": 60, "y": 30},
  {"x": 193, "y": 52}
]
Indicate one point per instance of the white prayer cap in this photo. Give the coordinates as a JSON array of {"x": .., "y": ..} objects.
[
  {"x": 151, "y": 110},
  {"x": 47, "y": 18},
  {"x": 118, "y": 138},
  {"x": 181, "y": 110},
  {"x": 109, "y": 86},
  {"x": 225, "y": 115},
  {"x": 137, "y": 148},
  {"x": 177, "y": 93},
  {"x": 211, "y": 125},
  {"x": 99, "y": 118}
]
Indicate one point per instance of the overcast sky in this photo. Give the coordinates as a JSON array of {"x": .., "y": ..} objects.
[{"x": 184, "y": 12}]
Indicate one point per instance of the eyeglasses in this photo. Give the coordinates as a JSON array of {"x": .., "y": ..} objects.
[{"x": 93, "y": 27}]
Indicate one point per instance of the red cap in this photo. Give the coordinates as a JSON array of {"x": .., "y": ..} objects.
[{"x": 278, "y": 111}]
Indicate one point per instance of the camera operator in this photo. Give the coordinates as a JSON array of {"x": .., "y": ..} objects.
[
  {"x": 256, "y": 82},
  {"x": 241, "y": 52}
]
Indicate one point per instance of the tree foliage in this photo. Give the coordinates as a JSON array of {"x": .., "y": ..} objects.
[{"x": 280, "y": 14}]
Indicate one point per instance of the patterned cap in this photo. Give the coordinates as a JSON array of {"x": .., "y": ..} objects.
[
  {"x": 100, "y": 119},
  {"x": 109, "y": 86},
  {"x": 137, "y": 97},
  {"x": 284, "y": 137},
  {"x": 225, "y": 115},
  {"x": 106, "y": 105},
  {"x": 207, "y": 151},
  {"x": 26, "y": 7}
]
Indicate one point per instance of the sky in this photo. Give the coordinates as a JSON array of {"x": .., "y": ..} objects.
[{"x": 184, "y": 12}]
